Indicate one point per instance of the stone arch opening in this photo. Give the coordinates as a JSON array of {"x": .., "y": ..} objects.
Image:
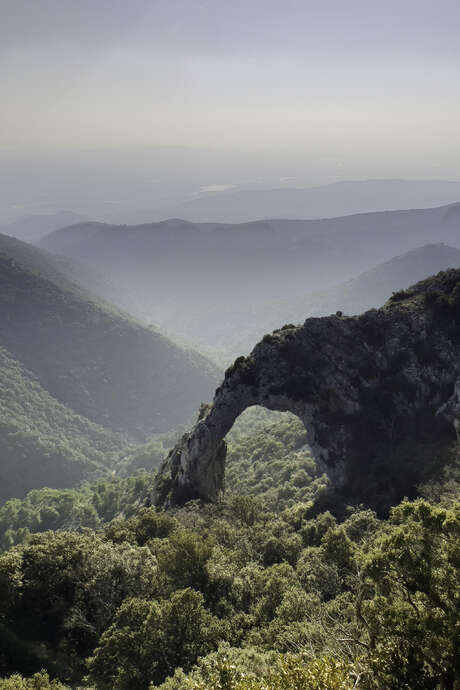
[
  {"x": 268, "y": 456},
  {"x": 195, "y": 468}
]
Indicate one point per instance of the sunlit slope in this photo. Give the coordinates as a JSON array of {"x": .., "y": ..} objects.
[
  {"x": 43, "y": 442},
  {"x": 96, "y": 360}
]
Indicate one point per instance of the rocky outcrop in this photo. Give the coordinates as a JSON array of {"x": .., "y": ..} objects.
[{"x": 362, "y": 385}]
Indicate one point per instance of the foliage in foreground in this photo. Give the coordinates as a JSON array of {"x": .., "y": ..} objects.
[
  {"x": 39, "y": 681},
  {"x": 155, "y": 593},
  {"x": 290, "y": 672},
  {"x": 261, "y": 592},
  {"x": 90, "y": 506}
]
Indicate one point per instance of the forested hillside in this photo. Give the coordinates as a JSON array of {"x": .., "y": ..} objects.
[
  {"x": 96, "y": 360},
  {"x": 42, "y": 441}
]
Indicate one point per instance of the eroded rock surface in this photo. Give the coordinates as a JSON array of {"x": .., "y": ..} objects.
[{"x": 362, "y": 385}]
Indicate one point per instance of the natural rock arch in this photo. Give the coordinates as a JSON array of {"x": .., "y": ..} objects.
[{"x": 361, "y": 386}]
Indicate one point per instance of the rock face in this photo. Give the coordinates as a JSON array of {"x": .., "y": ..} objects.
[{"x": 362, "y": 385}]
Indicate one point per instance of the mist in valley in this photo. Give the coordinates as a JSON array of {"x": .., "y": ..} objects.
[{"x": 221, "y": 286}]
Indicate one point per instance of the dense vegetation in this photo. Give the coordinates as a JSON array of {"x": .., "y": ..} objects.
[
  {"x": 45, "y": 443},
  {"x": 268, "y": 457},
  {"x": 149, "y": 595},
  {"x": 42, "y": 441},
  {"x": 71, "y": 509},
  {"x": 262, "y": 591}
]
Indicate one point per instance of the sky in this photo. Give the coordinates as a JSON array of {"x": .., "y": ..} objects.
[{"x": 343, "y": 77}]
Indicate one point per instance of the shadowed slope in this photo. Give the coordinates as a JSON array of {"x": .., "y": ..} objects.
[{"x": 91, "y": 357}]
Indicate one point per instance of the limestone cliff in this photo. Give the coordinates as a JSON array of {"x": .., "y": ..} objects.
[{"x": 362, "y": 385}]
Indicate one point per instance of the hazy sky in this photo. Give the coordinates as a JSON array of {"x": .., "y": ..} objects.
[{"x": 376, "y": 77}]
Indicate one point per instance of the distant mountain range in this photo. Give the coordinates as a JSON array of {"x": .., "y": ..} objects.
[
  {"x": 239, "y": 205},
  {"x": 326, "y": 201},
  {"x": 204, "y": 281}
]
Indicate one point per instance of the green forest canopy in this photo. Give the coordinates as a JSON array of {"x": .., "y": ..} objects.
[{"x": 263, "y": 590}]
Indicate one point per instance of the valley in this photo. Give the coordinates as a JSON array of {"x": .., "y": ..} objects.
[{"x": 286, "y": 535}]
